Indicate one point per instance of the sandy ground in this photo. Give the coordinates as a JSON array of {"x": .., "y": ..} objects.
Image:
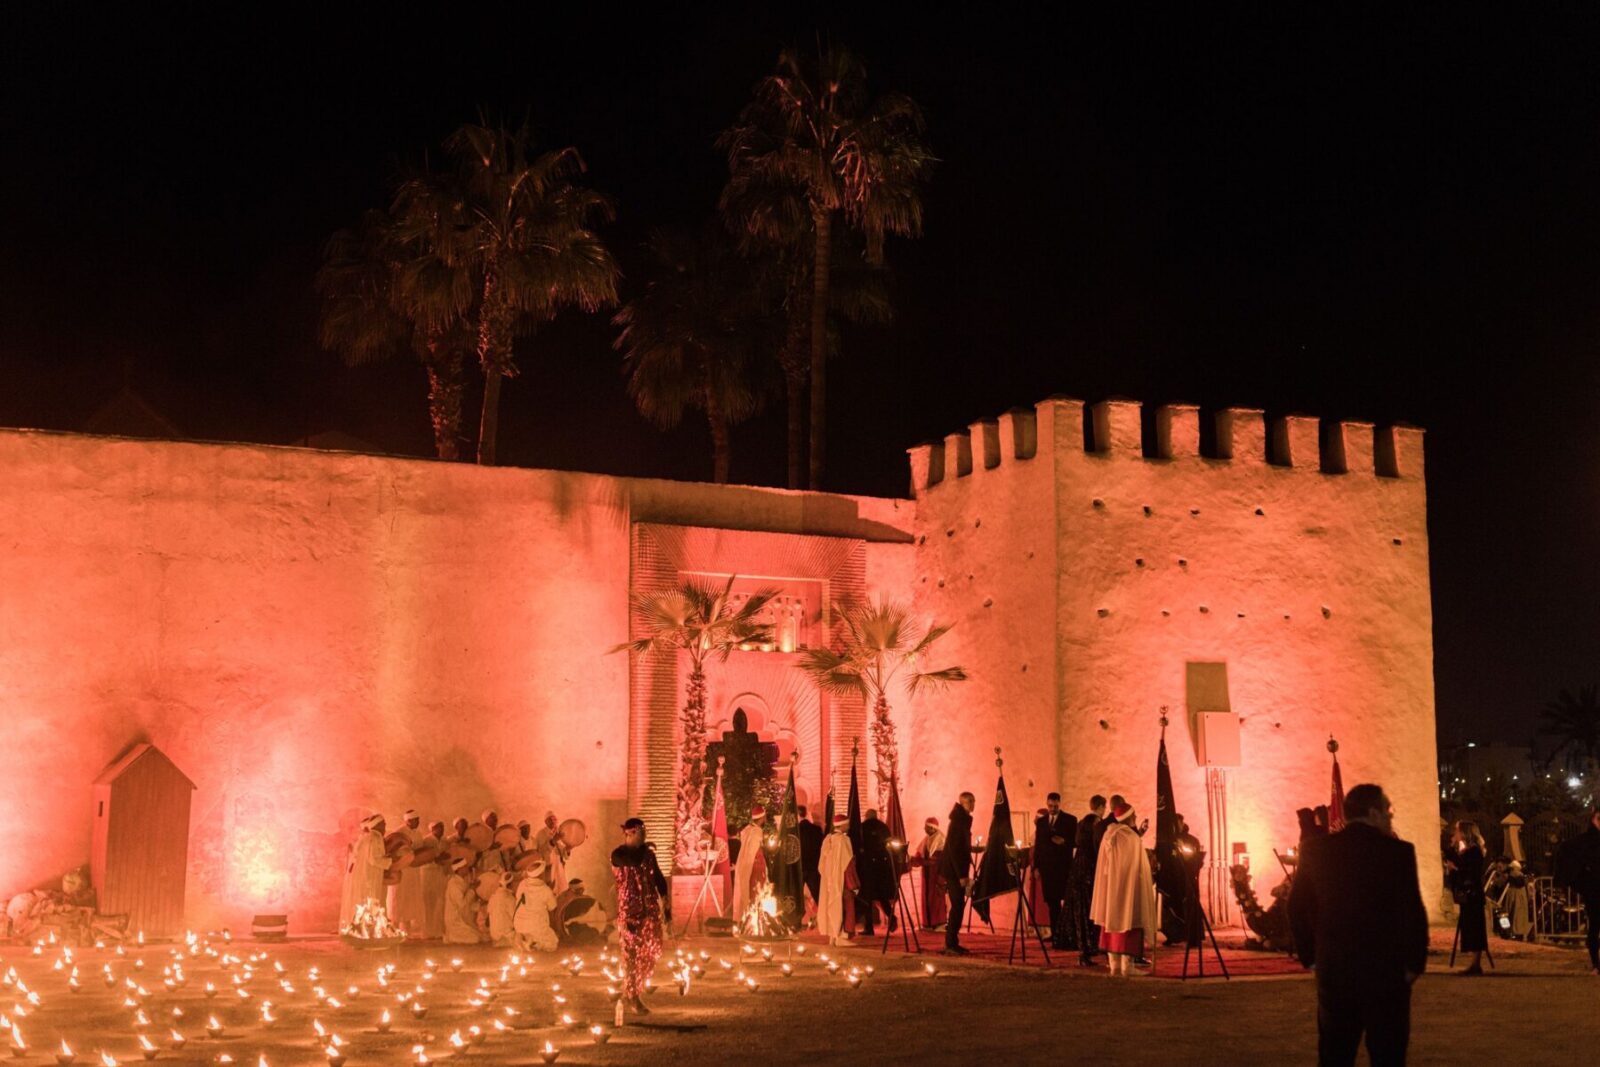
[{"x": 1538, "y": 1007}]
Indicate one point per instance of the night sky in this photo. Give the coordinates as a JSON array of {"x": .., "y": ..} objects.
[{"x": 1394, "y": 219}]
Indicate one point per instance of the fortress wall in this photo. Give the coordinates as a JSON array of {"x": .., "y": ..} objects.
[
  {"x": 313, "y": 635},
  {"x": 1173, "y": 559},
  {"x": 987, "y": 563}
]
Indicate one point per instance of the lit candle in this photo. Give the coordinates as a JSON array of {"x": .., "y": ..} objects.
[
  {"x": 178, "y": 1041},
  {"x": 599, "y": 1034},
  {"x": 19, "y": 1047},
  {"x": 418, "y": 1009},
  {"x": 65, "y": 1056},
  {"x": 107, "y": 1060},
  {"x": 929, "y": 969},
  {"x": 150, "y": 1051},
  {"x": 455, "y": 965},
  {"x": 477, "y": 1036},
  {"x": 788, "y": 971},
  {"x": 549, "y": 1052},
  {"x": 335, "y": 1056},
  {"x": 213, "y": 1028},
  {"x": 384, "y": 1022}
]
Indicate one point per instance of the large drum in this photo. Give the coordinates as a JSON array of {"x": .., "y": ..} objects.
[
  {"x": 459, "y": 850},
  {"x": 506, "y": 836},
  {"x": 392, "y": 843},
  {"x": 526, "y": 860},
  {"x": 573, "y": 832},
  {"x": 488, "y": 882},
  {"x": 424, "y": 855},
  {"x": 479, "y": 836}
]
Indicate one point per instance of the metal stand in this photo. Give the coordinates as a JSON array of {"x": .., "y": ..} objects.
[
  {"x": 908, "y": 929},
  {"x": 708, "y": 888},
  {"x": 1019, "y": 936},
  {"x": 1194, "y": 908},
  {"x": 1456, "y": 943}
]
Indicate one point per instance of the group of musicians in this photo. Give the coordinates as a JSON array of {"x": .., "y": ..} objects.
[{"x": 480, "y": 882}]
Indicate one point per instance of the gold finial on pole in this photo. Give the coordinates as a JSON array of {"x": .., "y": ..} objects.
[
  {"x": 1333, "y": 746},
  {"x": 1163, "y": 720},
  {"x": 998, "y": 762}
]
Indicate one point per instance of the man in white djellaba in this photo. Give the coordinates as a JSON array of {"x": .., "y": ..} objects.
[
  {"x": 1124, "y": 901},
  {"x": 364, "y": 878},
  {"x": 406, "y": 907},
  {"x": 833, "y": 867},
  {"x": 750, "y": 841}
]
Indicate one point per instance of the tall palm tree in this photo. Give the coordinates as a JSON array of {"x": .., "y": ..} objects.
[
  {"x": 879, "y": 642},
  {"x": 379, "y": 302},
  {"x": 774, "y": 226},
  {"x": 702, "y": 620},
  {"x": 1573, "y": 719},
  {"x": 690, "y": 338},
  {"x": 857, "y": 159},
  {"x": 528, "y": 237}
]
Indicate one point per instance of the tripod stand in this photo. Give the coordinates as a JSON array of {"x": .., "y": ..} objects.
[
  {"x": 708, "y": 888},
  {"x": 1019, "y": 936},
  {"x": 908, "y": 930},
  {"x": 1192, "y": 910}
]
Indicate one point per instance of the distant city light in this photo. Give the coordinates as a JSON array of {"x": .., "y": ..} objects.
[{"x": 1574, "y": 782}]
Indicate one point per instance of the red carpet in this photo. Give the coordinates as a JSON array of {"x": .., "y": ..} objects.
[{"x": 996, "y": 948}]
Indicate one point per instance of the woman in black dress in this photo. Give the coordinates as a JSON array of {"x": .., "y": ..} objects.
[{"x": 1466, "y": 886}]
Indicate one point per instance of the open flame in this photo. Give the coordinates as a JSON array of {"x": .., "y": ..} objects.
[
  {"x": 371, "y": 921},
  {"x": 761, "y": 921}
]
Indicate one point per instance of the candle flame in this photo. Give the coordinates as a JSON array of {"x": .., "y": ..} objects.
[
  {"x": 66, "y": 1049},
  {"x": 108, "y": 1059}
]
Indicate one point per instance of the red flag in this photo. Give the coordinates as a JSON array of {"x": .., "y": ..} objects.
[
  {"x": 897, "y": 827},
  {"x": 719, "y": 830},
  {"x": 1336, "y": 803}
]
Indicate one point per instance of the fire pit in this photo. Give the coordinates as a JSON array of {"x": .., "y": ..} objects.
[
  {"x": 761, "y": 924},
  {"x": 371, "y": 928}
]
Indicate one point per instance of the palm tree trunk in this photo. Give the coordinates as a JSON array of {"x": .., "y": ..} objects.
[
  {"x": 494, "y": 358},
  {"x": 445, "y": 388},
  {"x": 691, "y": 786},
  {"x": 721, "y": 444},
  {"x": 820, "y": 267},
  {"x": 885, "y": 748},
  {"x": 795, "y": 387}
]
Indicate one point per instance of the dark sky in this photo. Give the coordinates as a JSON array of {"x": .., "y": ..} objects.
[{"x": 1391, "y": 218}]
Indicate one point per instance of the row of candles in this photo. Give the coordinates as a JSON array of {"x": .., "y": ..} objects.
[{"x": 685, "y": 967}]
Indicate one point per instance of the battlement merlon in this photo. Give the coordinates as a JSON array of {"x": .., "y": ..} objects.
[{"x": 1115, "y": 431}]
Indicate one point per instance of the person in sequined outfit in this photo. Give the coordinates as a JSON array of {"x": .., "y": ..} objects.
[{"x": 643, "y": 905}]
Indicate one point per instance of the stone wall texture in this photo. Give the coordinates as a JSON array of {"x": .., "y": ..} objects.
[{"x": 311, "y": 636}]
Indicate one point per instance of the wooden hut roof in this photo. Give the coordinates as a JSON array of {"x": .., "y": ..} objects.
[{"x": 132, "y": 756}]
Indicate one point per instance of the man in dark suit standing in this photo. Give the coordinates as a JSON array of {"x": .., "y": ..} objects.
[
  {"x": 1085, "y": 849},
  {"x": 811, "y": 836},
  {"x": 1358, "y": 919},
  {"x": 956, "y": 866},
  {"x": 1054, "y": 833}
]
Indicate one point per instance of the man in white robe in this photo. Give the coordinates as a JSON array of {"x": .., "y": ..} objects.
[
  {"x": 367, "y": 864},
  {"x": 535, "y": 901},
  {"x": 1124, "y": 901},
  {"x": 406, "y": 908},
  {"x": 554, "y": 851},
  {"x": 836, "y": 857},
  {"x": 433, "y": 878},
  {"x": 502, "y": 912},
  {"x": 460, "y": 906},
  {"x": 751, "y": 839}
]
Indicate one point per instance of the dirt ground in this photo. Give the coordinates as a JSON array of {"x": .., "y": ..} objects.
[{"x": 1538, "y": 1007}]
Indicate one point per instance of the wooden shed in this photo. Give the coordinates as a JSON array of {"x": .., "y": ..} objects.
[{"x": 140, "y": 850}]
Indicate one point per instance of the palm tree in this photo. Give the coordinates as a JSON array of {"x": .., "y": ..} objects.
[
  {"x": 813, "y": 127},
  {"x": 701, "y": 620},
  {"x": 879, "y": 641},
  {"x": 775, "y": 229},
  {"x": 690, "y": 338},
  {"x": 527, "y": 236},
  {"x": 1573, "y": 719},
  {"x": 379, "y": 302}
]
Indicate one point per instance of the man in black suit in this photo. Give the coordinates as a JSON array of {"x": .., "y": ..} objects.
[
  {"x": 956, "y": 865},
  {"x": 1085, "y": 850},
  {"x": 810, "y": 835},
  {"x": 1054, "y": 833},
  {"x": 1358, "y": 919}
]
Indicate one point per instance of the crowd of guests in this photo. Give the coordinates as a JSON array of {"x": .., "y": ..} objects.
[{"x": 477, "y": 882}]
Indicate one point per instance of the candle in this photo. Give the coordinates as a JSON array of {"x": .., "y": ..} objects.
[
  {"x": 150, "y": 1051},
  {"x": 107, "y": 1060},
  {"x": 19, "y": 1047},
  {"x": 929, "y": 969},
  {"x": 788, "y": 971},
  {"x": 213, "y": 1028},
  {"x": 455, "y": 965},
  {"x": 599, "y": 1034},
  {"x": 418, "y": 1009},
  {"x": 335, "y": 1056},
  {"x": 384, "y": 1022},
  {"x": 178, "y": 1041},
  {"x": 65, "y": 1056},
  {"x": 477, "y": 1036},
  {"x": 549, "y": 1052}
]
